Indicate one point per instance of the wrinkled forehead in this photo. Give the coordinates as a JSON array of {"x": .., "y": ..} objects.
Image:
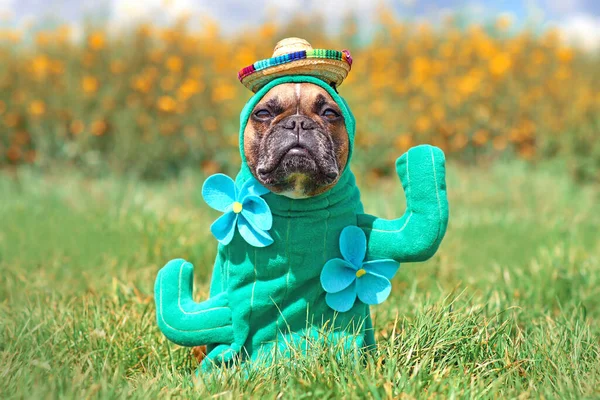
[{"x": 296, "y": 95}]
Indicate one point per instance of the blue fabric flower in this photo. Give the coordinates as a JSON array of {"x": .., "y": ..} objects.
[
  {"x": 344, "y": 280},
  {"x": 243, "y": 206}
]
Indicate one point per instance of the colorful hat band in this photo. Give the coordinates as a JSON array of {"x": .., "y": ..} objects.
[{"x": 343, "y": 55}]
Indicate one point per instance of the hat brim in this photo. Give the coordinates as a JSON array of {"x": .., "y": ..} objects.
[{"x": 330, "y": 70}]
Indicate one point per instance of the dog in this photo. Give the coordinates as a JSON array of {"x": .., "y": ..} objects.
[
  {"x": 296, "y": 145},
  {"x": 296, "y": 142},
  {"x": 297, "y": 139}
]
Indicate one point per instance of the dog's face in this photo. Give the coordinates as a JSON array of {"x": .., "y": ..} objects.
[{"x": 295, "y": 142}]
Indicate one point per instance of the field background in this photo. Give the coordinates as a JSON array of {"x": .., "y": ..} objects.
[{"x": 105, "y": 142}]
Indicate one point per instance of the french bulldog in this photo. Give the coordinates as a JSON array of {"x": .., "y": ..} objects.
[
  {"x": 296, "y": 142},
  {"x": 297, "y": 138}
]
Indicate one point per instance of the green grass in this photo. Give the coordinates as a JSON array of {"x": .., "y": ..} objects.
[{"x": 508, "y": 307}]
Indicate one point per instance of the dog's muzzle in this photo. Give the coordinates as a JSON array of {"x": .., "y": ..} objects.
[{"x": 298, "y": 144}]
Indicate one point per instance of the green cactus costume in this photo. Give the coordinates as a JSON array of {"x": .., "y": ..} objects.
[{"x": 263, "y": 299}]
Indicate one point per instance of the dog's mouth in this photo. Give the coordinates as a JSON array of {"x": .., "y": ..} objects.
[
  {"x": 285, "y": 152},
  {"x": 297, "y": 151},
  {"x": 296, "y": 158}
]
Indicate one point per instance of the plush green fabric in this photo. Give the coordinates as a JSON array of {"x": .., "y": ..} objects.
[{"x": 264, "y": 299}]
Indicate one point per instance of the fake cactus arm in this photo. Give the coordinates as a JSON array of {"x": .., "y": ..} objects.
[
  {"x": 418, "y": 233},
  {"x": 180, "y": 318}
]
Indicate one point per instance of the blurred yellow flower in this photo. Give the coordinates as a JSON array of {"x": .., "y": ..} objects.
[
  {"x": 480, "y": 137},
  {"x": 174, "y": 64},
  {"x": 98, "y": 128},
  {"x": 420, "y": 69},
  {"x": 223, "y": 92},
  {"x": 515, "y": 135},
  {"x": 487, "y": 49},
  {"x": 141, "y": 84},
  {"x": 166, "y": 104},
  {"x": 500, "y": 64},
  {"x": 446, "y": 50},
  {"x": 459, "y": 142},
  {"x": 246, "y": 56},
  {"x": 42, "y": 39},
  {"x": 378, "y": 80},
  {"x": 89, "y": 84},
  {"x": 404, "y": 142},
  {"x": 267, "y": 31},
  {"x": 96, "y": 41},
  {"x": 37, "y": 108},
  {"x": 422, "y": 124},
  {"x": 564, "y": 54},
  {"x": 40, "y": 65},
  {"x": 468, "y": 84},
  {"x": 77, "y": 127},
  {"x": 189, "y": 88}
]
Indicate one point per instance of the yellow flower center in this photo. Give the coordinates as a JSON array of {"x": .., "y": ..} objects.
[
  {"x": 237, "y": 207},
  {"x": 360, "y": 273}
]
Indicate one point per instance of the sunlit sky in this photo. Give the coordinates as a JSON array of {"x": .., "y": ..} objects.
[{"x": 578, "y": 19}]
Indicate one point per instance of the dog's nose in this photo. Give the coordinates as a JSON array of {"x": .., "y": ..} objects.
[{"x": 299, "y": 122}]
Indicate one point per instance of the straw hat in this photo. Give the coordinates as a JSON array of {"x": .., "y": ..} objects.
[{"x": 295, "y": 56}]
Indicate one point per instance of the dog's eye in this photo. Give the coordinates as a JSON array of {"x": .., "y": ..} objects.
[
  {"x": 330, "y": 114},
  {"x": 262, "y": 114}
]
